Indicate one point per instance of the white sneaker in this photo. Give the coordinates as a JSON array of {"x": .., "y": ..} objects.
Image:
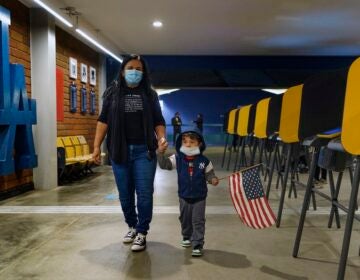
[
  {"x": 139, "y": 243},
  {"x": 130, "y": 236},
  {"x": 197, "y": 252},
  {"x": 185, "y": 243}
]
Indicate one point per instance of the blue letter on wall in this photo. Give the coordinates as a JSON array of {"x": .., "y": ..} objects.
[{"x": 17, "y": 112}]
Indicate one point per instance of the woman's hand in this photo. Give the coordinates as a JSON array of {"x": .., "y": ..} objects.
[
  {"x": 162, "y": 145},
  {"x": 215, "y": 181},
  {"x": 97, "y": 155}
]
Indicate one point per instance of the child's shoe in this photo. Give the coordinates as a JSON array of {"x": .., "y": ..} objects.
[
  {"x": 197, "y": 251},
  {"x": 130, "y": 236},
  {"x": 186, "y": 243}
]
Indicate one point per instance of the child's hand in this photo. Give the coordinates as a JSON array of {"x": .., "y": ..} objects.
[
  {"x": 215, "y": 181},
  {"x": 162, "y": 145}
]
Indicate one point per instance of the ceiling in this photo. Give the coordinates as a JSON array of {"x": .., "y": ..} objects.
[
  {"x": 224, "y": 44},
  {"x": 228, "y": 27}
]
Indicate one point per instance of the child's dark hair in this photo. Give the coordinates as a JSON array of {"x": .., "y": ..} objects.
[{"x": 192, "y": 136}]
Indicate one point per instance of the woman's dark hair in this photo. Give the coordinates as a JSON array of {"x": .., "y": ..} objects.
[{"x": 120, "y": 82}]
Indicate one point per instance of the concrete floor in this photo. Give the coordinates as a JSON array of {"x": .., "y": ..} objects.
[{"x": 75, "y": 232}]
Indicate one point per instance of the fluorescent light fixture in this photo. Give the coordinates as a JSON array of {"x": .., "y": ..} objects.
[
  {"x": 161, "y": 102},
  {"x": 161, "y": 91},
  {"x": 101, "y": 47},
  {"x": 4, "y": 16},
  {"x": 157, "y": 24},
  {"x": 275, "y": 90},
  {"x": 55, "y": 14}
]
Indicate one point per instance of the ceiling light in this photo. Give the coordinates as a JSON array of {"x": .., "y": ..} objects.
[
  {"x": 55, "y": 14},
  {"x": 275, "y": 90},
  {"x": 157, "y": 24},
  {"x": 161, "y": 91},
  {"x": 101, "y": 47},
  {"x": 5, "y": 16}
]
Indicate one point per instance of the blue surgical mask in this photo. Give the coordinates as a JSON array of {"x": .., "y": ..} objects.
[
  {"x": 133, "y": 77},
  {"x": 190, "y": 151}
]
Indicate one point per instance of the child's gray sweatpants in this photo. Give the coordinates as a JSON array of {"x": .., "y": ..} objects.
[{"x": 192, "y": 219}]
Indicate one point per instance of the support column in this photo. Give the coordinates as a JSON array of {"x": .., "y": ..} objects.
[
  {"x": 43, "y": 88},
  {"x": 102, "y": 88}
]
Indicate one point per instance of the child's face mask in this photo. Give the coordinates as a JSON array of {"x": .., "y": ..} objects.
[{"x": 190, "y": 151}]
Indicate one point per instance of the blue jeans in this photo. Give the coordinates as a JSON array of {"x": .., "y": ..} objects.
[{"x": 136, "y": 175}]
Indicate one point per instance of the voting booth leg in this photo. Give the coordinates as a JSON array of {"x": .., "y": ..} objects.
[
  {"x": 306, "y": 201},
  {"x": 349, "y": 221}
]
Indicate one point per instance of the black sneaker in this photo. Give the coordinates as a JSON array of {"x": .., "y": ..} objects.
[
  {"x": 130, "y": 236},
  {"x": 139, "y": 243},
  {"x": 197, "y": 251}
]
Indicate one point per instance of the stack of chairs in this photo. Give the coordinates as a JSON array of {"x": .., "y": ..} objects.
[{"x": 74, "y": 158}]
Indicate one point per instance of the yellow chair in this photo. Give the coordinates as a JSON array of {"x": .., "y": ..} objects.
[
  {"x": 73, "y": 154},
  {"x": 79, "y": 149},
  {"x": 66, "y": 166},
  {"x": 85, "y": 147},
  {"x": 69, "y": 151}
]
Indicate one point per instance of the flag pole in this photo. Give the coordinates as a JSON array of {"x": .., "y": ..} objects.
[{"x": 241, "y": 170}]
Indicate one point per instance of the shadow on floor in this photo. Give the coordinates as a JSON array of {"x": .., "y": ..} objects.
[
  {"x": 279, "y": 274},
  {"x": 226, "y": 259},
  {"x": 160, "y": 260}
]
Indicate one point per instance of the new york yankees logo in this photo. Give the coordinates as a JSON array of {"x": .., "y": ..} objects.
[
  {"x": 17, "y": 112},
  {"x": 201, "y": 165}
]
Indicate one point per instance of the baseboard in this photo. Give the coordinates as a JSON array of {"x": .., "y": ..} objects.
[{"x": 16, "y": 191}]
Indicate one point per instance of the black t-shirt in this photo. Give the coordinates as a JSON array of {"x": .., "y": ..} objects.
[
  {"x": 134, "y": 122},
  {"x": 114, "y": 117}
]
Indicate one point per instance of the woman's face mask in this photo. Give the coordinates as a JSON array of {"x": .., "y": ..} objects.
[
  {"x": 133, "y": 77},
  {"x": 190, "y": 151}
]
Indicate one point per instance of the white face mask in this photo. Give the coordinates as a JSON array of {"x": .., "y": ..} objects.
[{"x": 190, "y": 151}]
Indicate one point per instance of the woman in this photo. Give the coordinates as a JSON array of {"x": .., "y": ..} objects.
[{"x": 132, "y": 119}]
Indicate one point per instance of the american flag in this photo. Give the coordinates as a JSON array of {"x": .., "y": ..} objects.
[{"x": 249, "y": 200}]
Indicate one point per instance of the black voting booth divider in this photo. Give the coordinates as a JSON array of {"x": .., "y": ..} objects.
[
  {"x": 324, "y": 102},
  {"x": 244, "y": 128},
  {"x": 340, "y": 107},
  {"x": 283, "y": 158},
  {"x": 230, "y": 130},
  {"x": 308, "y": 110},
  {"x": 266, "y": 128},
  {"x": 226, "y": 131}
]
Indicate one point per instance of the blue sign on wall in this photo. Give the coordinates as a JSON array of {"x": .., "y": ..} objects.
[{"x": 17, "y": 111}]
